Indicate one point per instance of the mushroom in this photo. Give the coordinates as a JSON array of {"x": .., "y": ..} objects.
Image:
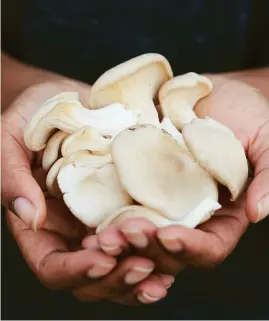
[
  {"x": 135, "y": 84},
  {"x": 218, "y": 151},
  {"x": 83, "y": 159},
  {"x": 159, "y": 174},
  {"x": 86, "y": 138},
  {"x": 52, "y": 149},
  {"x": 199, "y": 215},
  {"x": 92, "y": 196},
  {"x": 69, "y": 115},
  {"x": 168, "y": 126},
  {"x": 179, "y": 95}
]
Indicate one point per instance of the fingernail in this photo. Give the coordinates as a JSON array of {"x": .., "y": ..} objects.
[
  {"x": 143, "y": 297},
  {"x": 168, "y": 280},
  {"x": 111, "y": 249},
  {"x": 137, "y": 274},
  {"x": 263, "y": 208},
  {"x": 99, "y": 270},
  {"x": 171, "y": 244},
  {"x": 26, "y": 211},
  {"x": 136, "y": 237}
]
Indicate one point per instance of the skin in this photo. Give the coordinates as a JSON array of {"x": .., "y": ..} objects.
[{"x": 57, "y": 245}]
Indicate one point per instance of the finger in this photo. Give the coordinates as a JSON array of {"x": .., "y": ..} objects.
[
  {"x": 209, "y": 245},
  {"x": 61, "y": 221},
  {"x": 125, "y": 276},
  {"x": 148, "y": 291},
  {"x": 112, "y": 241},
  {"x": 90, "y": 242},
  {"x": 141, "y": 233},
  {"x": 47, "y": 255},
  {"x": 20, "y": 191},
  {"x": 257, "y": 206}
]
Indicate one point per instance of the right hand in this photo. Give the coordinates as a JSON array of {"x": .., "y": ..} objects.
[{"x": 48, "y": 235}]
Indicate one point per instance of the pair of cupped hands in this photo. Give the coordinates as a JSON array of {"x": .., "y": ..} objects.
[{"x": 134, "y": 262}]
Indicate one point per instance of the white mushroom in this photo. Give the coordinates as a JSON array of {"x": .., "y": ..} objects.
[
  {"x": 83, "y": 159},
  {"x": 159, "y": 174},
  {"x": 52, "y": 149},
  {"x": 199, "y": 215},
  {"x": 168, "y": 126},
  {"x": 91, "y": 197},
  {"x": 179, "y": 95},
  {"x": 218, "y": 151},
  {"x": 69, "y": 115},
  {"x": 135, "y": 84},
  {"x": 86, "y": 138}
]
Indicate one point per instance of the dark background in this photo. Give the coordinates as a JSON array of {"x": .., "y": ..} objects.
[{"x": 82, "y": 39}]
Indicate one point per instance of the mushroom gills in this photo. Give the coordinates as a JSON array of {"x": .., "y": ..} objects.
[{"x": 91, "y": 197}]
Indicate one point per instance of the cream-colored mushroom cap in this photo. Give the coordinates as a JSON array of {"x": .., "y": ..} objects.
[
  {"x": 86, "y": 138},
  {"x": 91, "y": 197},
  {"x": 69, "y": 115},
  {"x": 135, "y": 84},
  {"x": 82, "y": 159},
  {"x": 159, "y": 174},
  {"x": 179, "y": 95},
  {"x": 52, "y": 149},
  {"x": 219, "y": 152}
]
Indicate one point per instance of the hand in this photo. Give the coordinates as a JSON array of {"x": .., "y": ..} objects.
[
  {"x": 53, "y": 252},
  {"x": 246, "y": 112}
]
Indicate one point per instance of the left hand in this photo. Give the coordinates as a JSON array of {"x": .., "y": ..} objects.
[{"x": 241, "y": 108}]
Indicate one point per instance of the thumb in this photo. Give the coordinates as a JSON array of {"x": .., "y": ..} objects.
[
  {"x": 20, "y": 191},
  {"x": 257, "y": 204}
]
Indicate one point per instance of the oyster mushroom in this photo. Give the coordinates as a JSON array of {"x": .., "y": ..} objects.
[
  {"x": 52, "y": 149},
  {"x": 69, "y": 115},
  {"x": 179, "y": 95},
  {"x": 92, "y": 196},
  {"x": 200, "y": 214},
  {"x": 219, "y": 152},
  {"x": 135, "y": 84},
  {"x": 168, "y": 126},
  {"x": 86, "y": 138},
  {"x": 160, "y": 175},
  {"x": 83, "y": 159}
]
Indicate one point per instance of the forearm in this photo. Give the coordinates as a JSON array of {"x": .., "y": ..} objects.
[
  {"x": 16, "y": 77},
  {"x": 258, "y": 78}
]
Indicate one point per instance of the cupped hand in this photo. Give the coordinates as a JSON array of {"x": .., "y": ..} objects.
[
  {"x": 243, "y": 109},
  {"x": 48, "y": 235}
]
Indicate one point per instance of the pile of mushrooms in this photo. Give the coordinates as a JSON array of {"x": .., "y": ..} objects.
[{"x": 116, "y": 160}]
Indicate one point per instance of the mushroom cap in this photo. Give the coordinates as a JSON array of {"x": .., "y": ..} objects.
[
  {"x": 179, "y": 95},
  {"x": 39, "y": 127},
  {"x": 135, "y": 84},
  {"x": 83, "y": 159},
  {"x": 131, "y": 212},
  {"x": 86, "y": 138},
  {"x": 91, "y": 197},
  {"x": 200, "y": 214},
  {"x": 158, "y": 173},
  {"x": 219, "y": 152},
  {"x": 52, "y": 149},
  {"x": 139, "y": 75}
]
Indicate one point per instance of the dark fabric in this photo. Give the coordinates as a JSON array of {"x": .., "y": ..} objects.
[{"x": 82, "y": 39}]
